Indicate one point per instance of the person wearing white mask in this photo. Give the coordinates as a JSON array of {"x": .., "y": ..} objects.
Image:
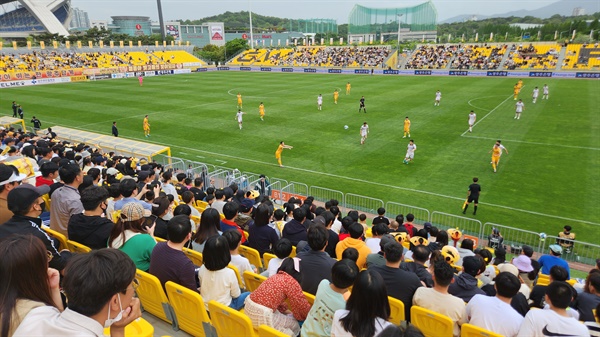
[{"x": 100, "y": 286}]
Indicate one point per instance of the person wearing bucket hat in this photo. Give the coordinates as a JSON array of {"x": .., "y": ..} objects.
[
  {"x": 9, "y": 179},
  {"x": 133, "y": 235},
  {"x": 553, "y": 259},
  {"x": 26, "y": 202}
]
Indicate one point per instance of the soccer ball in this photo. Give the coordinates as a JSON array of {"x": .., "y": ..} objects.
[
  {"x": 346, "y": 127},
  {"x": 543, "y": 236}
]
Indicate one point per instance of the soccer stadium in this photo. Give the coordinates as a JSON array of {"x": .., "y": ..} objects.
[{"x": 304, "y": 187}]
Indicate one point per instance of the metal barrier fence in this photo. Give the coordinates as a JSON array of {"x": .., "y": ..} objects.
[
  {"x": 466, "y": 225},
  {"x": 295, "y": 189},
  {"x": 276, "y": 194},
  {"x": 362, "y": 203},
  {"x": 219, "y": 178},
  {"x": 581, "y": 252},
  {"x": 515, "y": 238},
  {"x": 323, "y": 194},
  {"x": 421, "y": 214}
]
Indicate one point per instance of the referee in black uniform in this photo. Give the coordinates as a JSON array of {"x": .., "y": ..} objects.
[{"x": 473, "y": 196}]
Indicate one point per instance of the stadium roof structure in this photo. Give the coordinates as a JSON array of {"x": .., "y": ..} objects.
[
  {"x": 420, "y": 18},
  {"x": 118, "y": 145},
  {"x": 7, "y": 122},
  {"x": 24, "y": 17}
]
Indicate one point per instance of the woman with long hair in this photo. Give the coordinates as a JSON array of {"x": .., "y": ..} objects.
[
  {"x": 262, "y": 237},
  {"x": 210, "y": 225},
  {"x": 133, "y": 235},
  {"x": 26, "y": 282},
  {"x": 367, "y": 309},
  {"x": 160, "y": 208}
]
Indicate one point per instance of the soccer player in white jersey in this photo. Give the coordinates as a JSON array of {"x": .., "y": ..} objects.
[
  {"x": 519, "y": 107},
  {"x": 364, "y": 132},
  {"x": 238, "y": 116},
  {"x": 472, "y": 119},
  {"x": 545, "y": 91},
  {"x": 320, "y": 102},
  {"x": 438, "y": 98},
  {"x": 410, "y": 152},
  {"x": 536, "y": 93}
]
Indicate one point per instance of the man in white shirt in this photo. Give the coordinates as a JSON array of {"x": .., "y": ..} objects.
[
  {"x": 545, "y": 91},
  {"x": 100, "y": 286},
  {"x": 320, "y": 102},
  {"x": 536, "y": 93},
  {"x": 519, "y": 107},
  {"x": 472, "y": 118},
  {"x": 364, "y": 132},
  {"x": 484, "y": 311},
  {"x": 410, "y": 152},
  {"x": 556, "y": 321},
  {"x": 439, "y": 300},
  {"x": 239, "y": 116},
  {"x": 438, "y": 98}
]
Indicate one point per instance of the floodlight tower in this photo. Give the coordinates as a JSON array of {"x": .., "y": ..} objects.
[
  {"x": 399, "y": 25},
  {"x": 161, "y": 21}
]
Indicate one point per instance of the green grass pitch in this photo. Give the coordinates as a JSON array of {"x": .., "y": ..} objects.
[{"x": 549, "y": 178}]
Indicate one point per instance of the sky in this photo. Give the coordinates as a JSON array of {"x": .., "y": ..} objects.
[{"x": 293, "y": 9}]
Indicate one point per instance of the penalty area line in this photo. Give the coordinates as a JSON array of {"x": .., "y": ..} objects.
[{"x": 489, "y": 113}]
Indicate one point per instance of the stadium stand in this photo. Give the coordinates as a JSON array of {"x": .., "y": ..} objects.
[
  {"x": 538, "y": 56},
  {"x": 479, "y": 57},
  {"x": 431, "y": 57},
  {"x": 583, "y": 57}
]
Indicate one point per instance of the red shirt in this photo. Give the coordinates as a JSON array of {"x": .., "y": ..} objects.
[
  {"x": 274, "y": 291},
  {"x": 40, "y": 180}
]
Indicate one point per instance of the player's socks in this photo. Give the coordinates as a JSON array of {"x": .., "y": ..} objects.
[
  {"x": 474, "y": 210},
  {"x": 494, "y": 167},
  {"x": 465, "y": 208}
]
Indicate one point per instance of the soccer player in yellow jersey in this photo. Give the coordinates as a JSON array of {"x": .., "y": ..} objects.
[
  {"x": 279, "y": 150},
  {"x": 146, "y": 126},
  {"x": 496, "y": 153},
  {"x": 348, "y": 87},
  {"x": 516, "y": 91},
  {"x": 520, "y": 84},
  {"x": 406, "y": 127},
  {"x": 261, "y": 111},
  {"x": 239, "y": 99},
  {"x": 336, "y": 95}
]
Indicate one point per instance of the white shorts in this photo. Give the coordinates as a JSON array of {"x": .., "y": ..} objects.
[{"x": 410, "y": 155}]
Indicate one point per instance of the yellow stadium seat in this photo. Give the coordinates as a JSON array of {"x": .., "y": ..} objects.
[
  {"x": 246, "y": 234},
  {"x": 193, "y": 255},
  {"x": 153, "y": 298},
  {"x": 597, "y": 319},
  {"x": 572, "y": 282},
  {"x": 430, "y": 322},
  {"x": 268, "y": 257},
  {"x": 76, "y": 247},
  {"x": 159, "y": 239},
  {"x": 195, "y": 219},
  {"x": 253, "y": 280},
  {"x": 267, "y": 331},
  {"x": 470, "y": 330},
  {"x": 397, "y": 314},
  {"x": 222, "y": 216},
  {"x": 252, "y": 255},
  {"x": 229, "y": 322},
  {"x": 293, "y": 254},
  {"x": 237, "y": 275},
  {"x": 138, "y": 328},
  {"x": 309, "y": 297},
  {"x": 61, "y": 238},
  {"x": 189, "y": 308},
  {"x": 116, "y": 215},
  {"x": 201, "y": 204},
  {"x": 47, "y": 201},
  {"x": 543, "y": 280}
]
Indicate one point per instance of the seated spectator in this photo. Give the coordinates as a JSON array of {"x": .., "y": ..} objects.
[
  {"x": 410, "y": 227},
  {"x": 519, "y": 301},
  {"x": 315, "y": 263},
  {"x": 295, "y": 230},
  {"x": 100, "y": 287},
  {"x": 523, "y": 263},
  {"x": 377, "y": 231},
  {"x": 594, "y": 326},
  {"x": 234, "y": 239},
  {"x": 465, "y": 249},
  {"x": 483, "y": 311},
  {"x": 244, "y": 218},
  {"x": 209, "y": 226},
  {"x": 66, "y": 200},
  {"x": 26, "y": 204},
  {"x": 537, "y": 296},
  {"x": 378, "y": 259},
  {"x": 495, "y": 239},
  {"x": 278, "y": 222},
  {"x": 566, "y": 239},
  {"x": 27, "y": 282},
  {"x": 380, "y": 218},
  {"x": 49, "y": 172},
  {"x": 490, "y": 271},
  {"x": 262, "y": 236},
  {"x": 439, "y": 300},
  {"x": 230, "y": 211},
  {"x": 555, "y": 321},
  {"x": 465, "y": 284},
  {"x": 282, "y": 249},
  {"x": 350, "y": 254},
  {"x": 330, "y": 297},
  {"x": 91, "y": 228},
  {"x": 198, "y": 189},
  {"x": 217, "y": 282},
  {"x": 367, "y": 310},
  {"x": 189, "y": 199},
  {"x": 417, "y": 266},
  {"x": 160, "y": 211},
  {"x": 356, "y": 231},
  {"x": 132, "y": 235},
  {"x": 420, "y": 238},
  {"x": 220, "y": 201},
  {"x": 269, "y": 302},
  {"x": 332, "y": 241},
  {"x": 168, "y": 261},
  {"x": 553, "y": 259},
  {"x": 128, "y": 189},
  {"x": 499, "y": 256},
  {"x": 589, "y": 299}
]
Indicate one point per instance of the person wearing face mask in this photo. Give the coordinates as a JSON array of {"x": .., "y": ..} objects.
[
  {"x": 100, "y": 287},
  {"x": 91, "y": 228},
  {"x": 26, "y": 203}
]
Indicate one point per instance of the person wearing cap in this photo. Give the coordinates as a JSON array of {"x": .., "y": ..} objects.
[
  {"x": 91, "y": 228},
  {"x": 131, "y": 236},
  {"x": 483, "y": 311},
  {"x": 66, "y": 200},
  {"x": 244, "y": 218},
  {"x": 548, "y": 261},
  {"x": 523, "y": 263},
  {"x": 495, "y": 240},
  {"x": 465, "y": 284},
  {"x": 566, "y": 239},
  {"x": 9, "y": 179},
  {"x": 439, "y": 300},
  {"x": 26, "y": 203}
]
